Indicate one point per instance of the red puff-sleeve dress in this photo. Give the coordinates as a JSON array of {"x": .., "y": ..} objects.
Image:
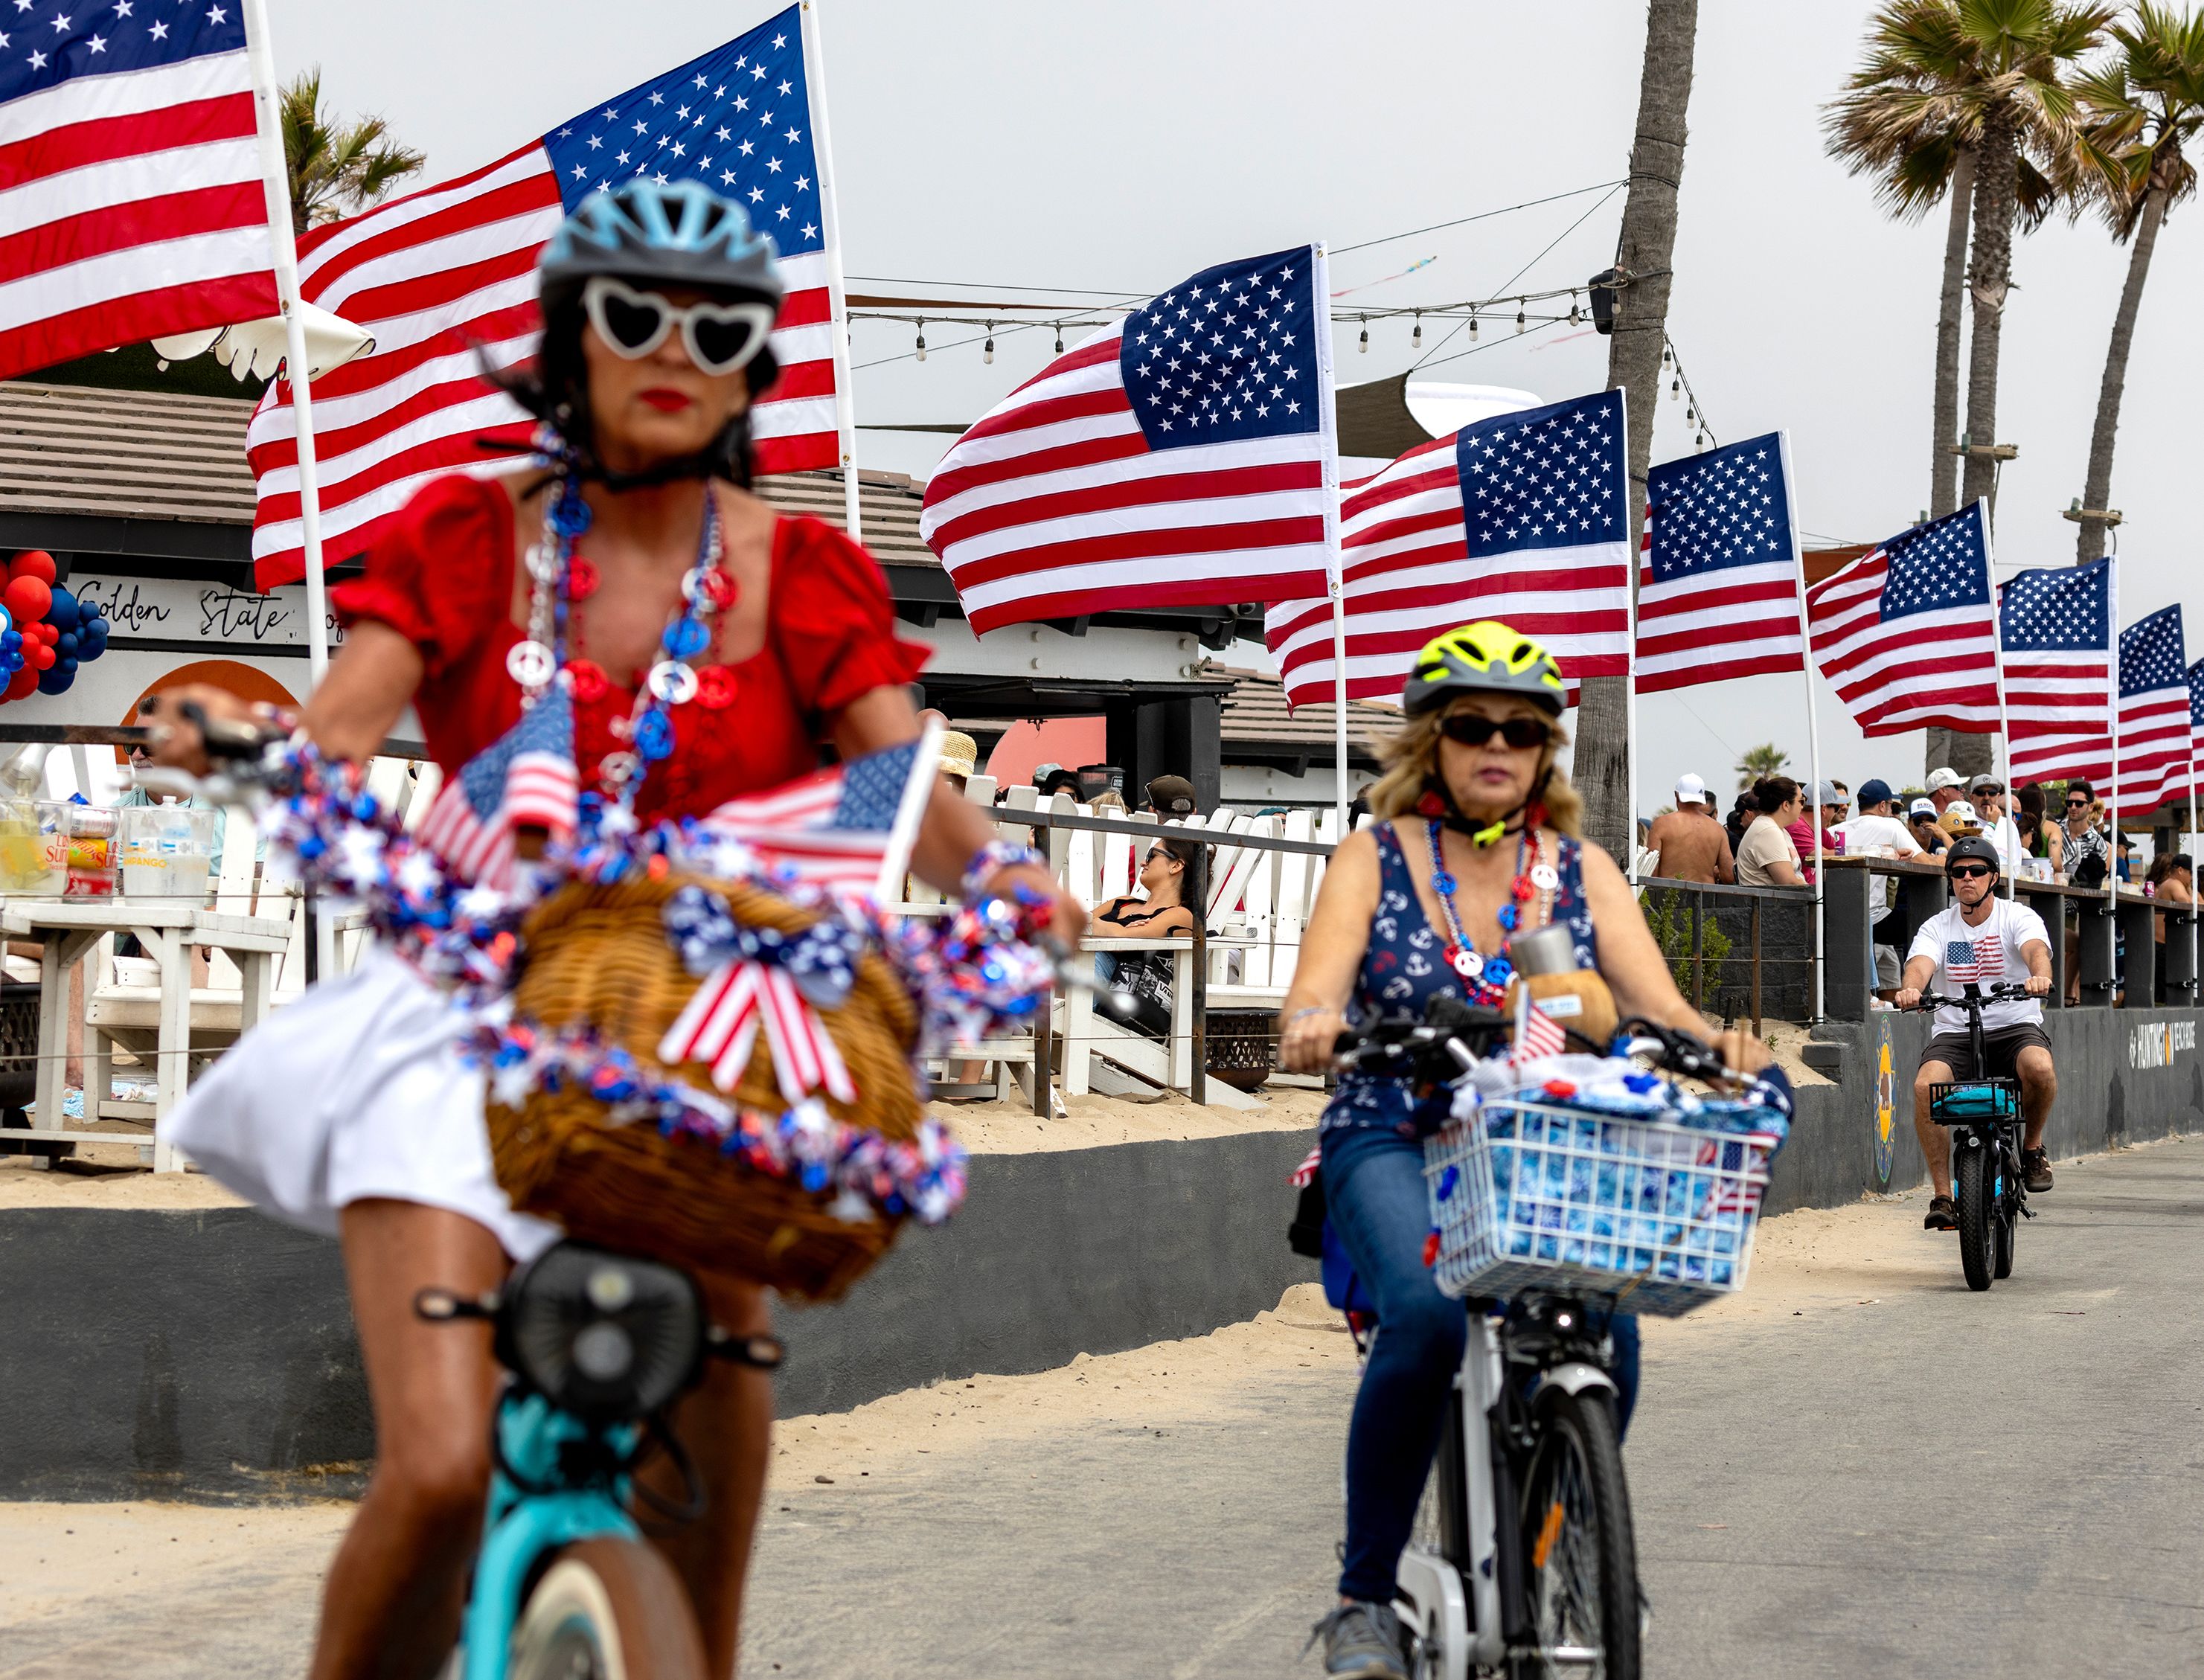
[{"x": 357, "y": 1089}]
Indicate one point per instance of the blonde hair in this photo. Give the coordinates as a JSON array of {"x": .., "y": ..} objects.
[{"x": 1411, "y": 757}]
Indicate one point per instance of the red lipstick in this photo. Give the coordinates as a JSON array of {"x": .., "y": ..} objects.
[{"x": 665, "y": 399}]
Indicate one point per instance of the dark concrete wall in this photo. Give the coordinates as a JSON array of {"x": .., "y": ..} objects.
[{"x": 210, "y": 1355}]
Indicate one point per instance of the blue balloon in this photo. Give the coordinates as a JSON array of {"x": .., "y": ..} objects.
[
  {"x": 57, "y": 678},
  {"x": 63, "y": 613},
  {"x": 67, "y": 647},
  {"x": 91, "y": 638},
  {"x": 11, "y": 641}
]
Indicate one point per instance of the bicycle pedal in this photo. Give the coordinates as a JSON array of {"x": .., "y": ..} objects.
[{"x": 2027, "y": 1212}]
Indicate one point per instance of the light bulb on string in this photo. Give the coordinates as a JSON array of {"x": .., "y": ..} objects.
[
  {"x": 1675, "y": 388},
  {"x": 1519, "y": 314},
  {"x": 1416, "y": 337},
  {"x": 1691, "y": 414},
  {"x": 1365, "y": 346},
  {"x": 921, "y": 351},
  {"x": 1668, "y": 356},
  {"x": 987, "y": 351},
  {"x": 1472, "y": 324},
  {"x": 1575, "y": 314},
  {"x": 1698, "y": 439},
  {"x": 1060, "y": 338}
]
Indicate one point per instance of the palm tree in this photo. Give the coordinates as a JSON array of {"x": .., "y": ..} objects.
[
  {"x": 2142, "y": 107},
  {"x": 337, "y": 168},
  {"x": 1904, "y": 119},
  {"x": 1602, "y": 766},
  {"x": 1757, "y": 764}
]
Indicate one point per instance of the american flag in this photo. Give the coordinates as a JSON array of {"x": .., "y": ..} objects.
[
  {"x": 446, "y": 278},
  {"x": 1522, "y": 518},
  {"x": 2154, "y": 737},
  {"x": 131, "y": 197},
  {"x": 524, "y": 778},
  {"x": 1907, "y": 633},
  {"x": 837, "y": 827},
  {"x": 1538, "y": 1034},
  {"x": 1972, "y": 964},
  {"x": 2056, "y": 623},
  {"x": 1177, "y": 459},
  {"x": 1718, "y": 595}
]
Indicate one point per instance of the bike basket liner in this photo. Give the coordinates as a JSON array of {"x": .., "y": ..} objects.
[
  {"x": 599, "y": 957},
  {"x": 1539, "y": 1196},
  {"x": 1972, "y": 1100}
]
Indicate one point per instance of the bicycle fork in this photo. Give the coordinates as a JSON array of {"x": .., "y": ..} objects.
[{"x": 1459, "y": 1611}]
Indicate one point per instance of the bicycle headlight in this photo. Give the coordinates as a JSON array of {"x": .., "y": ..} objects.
[{"x": 605, "y": 1336}]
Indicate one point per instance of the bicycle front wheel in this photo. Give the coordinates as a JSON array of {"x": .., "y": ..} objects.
[
  {"x": 1579, "y": 1554},
  {"x": 607, "y": 1610},
  {"x": 1972, "y": 1188}
]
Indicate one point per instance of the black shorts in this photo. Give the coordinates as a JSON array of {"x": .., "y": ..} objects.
[{"x": 2002, "y": 1049}]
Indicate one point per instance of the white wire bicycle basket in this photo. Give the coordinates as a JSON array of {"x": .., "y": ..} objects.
[{"x": 1527, "y": 1195}]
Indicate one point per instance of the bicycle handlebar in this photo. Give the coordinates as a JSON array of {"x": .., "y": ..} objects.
[
  {"x": 1452, "y": 1036},
  {"x": 2003, "y": 991}
]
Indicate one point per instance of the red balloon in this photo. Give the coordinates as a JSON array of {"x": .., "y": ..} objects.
[
  {"x": 49, "y": 632},
  {"x": 36, "y": 656},
  {"x": 24, "y": 682},
  {"x": 33, "y": 563},
  {"x": 28, "y": 597}
]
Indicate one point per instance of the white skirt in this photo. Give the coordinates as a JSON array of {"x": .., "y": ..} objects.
[{"x": 357, "y": 1090}]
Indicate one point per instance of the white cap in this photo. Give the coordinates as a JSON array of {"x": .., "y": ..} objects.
[
  {"x": 1922, "y": 807},
  {"x": 1690, "y": 789},
  {"x": 1946, "y": 777},
  {"x": 1960, "y": 813}
]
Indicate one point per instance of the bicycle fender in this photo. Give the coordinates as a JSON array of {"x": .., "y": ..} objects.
[{"x": 1574, "y": 1378}]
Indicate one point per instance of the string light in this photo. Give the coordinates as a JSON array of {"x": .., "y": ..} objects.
[
  {"x": 987, "y": 355},
  {"x": 1416, "y": 337},
  {"x": 1576, "y": 315},
  {"x": 1365, "y": 346},
  {"x": 1472, "y": 323},
  {"x": 1519, "y": 315},
  {"x": 1690, "y": 417},
  {"x": 1060, "y": 338},
  {"x": 1675, "y": 389},
  {"x": 922, "y": 340}
]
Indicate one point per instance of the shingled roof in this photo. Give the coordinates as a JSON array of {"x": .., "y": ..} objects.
[{"x": 1255, "y": 725}]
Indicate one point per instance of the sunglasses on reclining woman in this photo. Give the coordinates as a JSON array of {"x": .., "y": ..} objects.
[
  {"x": 1472, "y": 729},
  {"x": 719, "y": 337}
]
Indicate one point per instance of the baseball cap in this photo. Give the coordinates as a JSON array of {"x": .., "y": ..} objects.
[
  {"x": 1959, "y": 816},
  {"x": 1922, "y": 807},
  {"x": 1987, "y": 784},
  {"x": 1690, "y": 789},
  {"x": 1946, "y": 777},
  {"x": 1825, "y": 793},
  {"x": 1172, "y": 795},
  {"x": 1873, "y": 791}
]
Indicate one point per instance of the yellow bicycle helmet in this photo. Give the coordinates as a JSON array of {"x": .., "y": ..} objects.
[{"x": 1487, "y": 657}]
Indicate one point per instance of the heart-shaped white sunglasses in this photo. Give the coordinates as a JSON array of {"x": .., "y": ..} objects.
[{"x": 719, "y": 337}]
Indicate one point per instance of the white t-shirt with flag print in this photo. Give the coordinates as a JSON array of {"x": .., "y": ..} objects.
[{"x": 1988, "y": 953}]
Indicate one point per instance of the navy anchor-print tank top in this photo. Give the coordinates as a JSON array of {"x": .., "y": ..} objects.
[{"x": 1405, "y": 966}]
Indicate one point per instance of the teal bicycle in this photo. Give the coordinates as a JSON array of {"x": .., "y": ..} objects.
[
  {"x": 597, "y": 1346},
  {"x": 1985, "y": 1121}
]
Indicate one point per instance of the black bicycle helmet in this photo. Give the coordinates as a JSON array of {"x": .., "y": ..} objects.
[{"x": 1978, "y": 850}]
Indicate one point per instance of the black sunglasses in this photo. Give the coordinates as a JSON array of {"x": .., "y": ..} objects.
[
  {"x": 2077, "y": 799},
  {"x": 1471, "y": 728},
  {"x": 1968, "y": 872}
]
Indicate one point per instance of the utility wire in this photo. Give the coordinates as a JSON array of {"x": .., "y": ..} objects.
[{"x": 1481, "y": 215}]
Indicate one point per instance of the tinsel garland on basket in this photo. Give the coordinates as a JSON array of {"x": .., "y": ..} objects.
[{"x": 973, "y": 973}]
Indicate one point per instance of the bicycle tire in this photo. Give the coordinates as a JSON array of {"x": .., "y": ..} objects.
[
  {"x": 1971, "y": 1180},
  {"x": 607, "y": 1609},
  {"x": 2008, "y": 1226},
  {"x": 1579, "y": 1549}
]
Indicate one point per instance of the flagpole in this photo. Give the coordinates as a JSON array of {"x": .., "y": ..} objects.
[
  {"x": 837, "y": 308},
  {"x": 275, "y": 178},
  {"x": 2112, "y": 799},
  {"x": 1996, "y": 655},
  {"x": 1328, "y": 421},
  {"x": 1630, "y": 675},
  {"x": 1813, "y": 722}
]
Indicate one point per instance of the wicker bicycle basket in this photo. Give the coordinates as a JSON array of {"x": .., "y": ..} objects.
[{"x": 600, "y": 956}]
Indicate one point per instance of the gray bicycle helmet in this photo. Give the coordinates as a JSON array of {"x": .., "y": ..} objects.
[
  {"x": 682, "y": 233},
  {"x": 1978, "y": 848}
]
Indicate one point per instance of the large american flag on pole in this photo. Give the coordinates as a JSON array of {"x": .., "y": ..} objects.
[
  {"x": 1524, "y": 517},
  {"x": 2154, "y": 712},
  {"x": 524, "y": 778},
  {"x": 1718, "y": 593},
  {"x": 2195, "y": 721},
  {"x": 2056, "y": 626},
  {"x": 132, "y": 199},
  {"x": 445, "y": 279},
  {"x": 1180, "y": 457},
  {"x": 1907, "y": 633}
]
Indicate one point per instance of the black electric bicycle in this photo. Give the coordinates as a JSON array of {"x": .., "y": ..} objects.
[{"x": 1984, "y": 1117}]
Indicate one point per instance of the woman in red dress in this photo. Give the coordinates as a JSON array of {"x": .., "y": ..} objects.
[{"x": 656, "y": 303}]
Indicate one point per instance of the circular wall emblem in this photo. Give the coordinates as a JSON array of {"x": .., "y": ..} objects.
[{"x": 1886, "y": 1093}]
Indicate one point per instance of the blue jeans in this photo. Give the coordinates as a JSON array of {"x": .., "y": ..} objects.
[{"x": 1373, "y": 1187}]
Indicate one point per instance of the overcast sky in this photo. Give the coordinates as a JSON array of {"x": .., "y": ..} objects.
[{"x": 1125, "y": 145}]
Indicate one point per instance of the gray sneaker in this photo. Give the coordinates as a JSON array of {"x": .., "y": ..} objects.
[{"x": 1363, "y": 1641}]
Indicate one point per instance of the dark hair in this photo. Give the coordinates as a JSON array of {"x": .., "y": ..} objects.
[
  {"x": 554, "y": 387},
  {"x": 1191, "y": 857},
  {"x": 1770, "y": 792},
  {"x": 2161, "y": 865},
  {"x": 2029, "y": 796},
  {"x": 2081, "y": 785},
  {"x": 2028, "y": 823}
]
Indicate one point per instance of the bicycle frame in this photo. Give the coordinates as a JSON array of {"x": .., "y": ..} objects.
[{"x": 536, "y": 1505}]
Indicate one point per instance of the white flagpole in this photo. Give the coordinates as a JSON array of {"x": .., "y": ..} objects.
[
  {"x": 1327, "y": 408},
  {"x": 845, "y": 398},
  {"x": 2112, "y": 798},
  {"x": 2005, "y": 725},
  {"x": 1813, "y": 722},
  {"x": 1630, "y": 664},
  {"x": 275, "y": 177}
]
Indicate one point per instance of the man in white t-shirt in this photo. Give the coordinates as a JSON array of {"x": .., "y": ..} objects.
[
  {"x": 1988, "y": 796},
  {"x": 1877, "y": 833},
  {"x": 1986, "y": 941}
]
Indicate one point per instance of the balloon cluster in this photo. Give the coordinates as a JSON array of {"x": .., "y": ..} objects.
[{"x": 46, "y": 632}]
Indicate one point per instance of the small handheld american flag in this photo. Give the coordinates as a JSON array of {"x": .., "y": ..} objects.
[
  {"x": 524, "y": 778},
  {"x": 849, "y": 825}
]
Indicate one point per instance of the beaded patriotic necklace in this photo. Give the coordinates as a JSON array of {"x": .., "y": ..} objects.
[
  {"x": 557, "y": 579},
  {"x": 1537, "y": 880}
]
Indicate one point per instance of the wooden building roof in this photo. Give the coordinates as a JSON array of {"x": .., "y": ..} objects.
[{"x": 1255, "y": 725}]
